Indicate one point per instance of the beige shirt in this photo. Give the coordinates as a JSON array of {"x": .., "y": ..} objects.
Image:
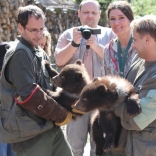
[{"x": 94, "y": 64}]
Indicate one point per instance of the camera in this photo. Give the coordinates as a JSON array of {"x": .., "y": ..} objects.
[{"x": 86, "y": 32}]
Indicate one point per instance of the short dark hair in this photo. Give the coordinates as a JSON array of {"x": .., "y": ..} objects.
[
  {"x": 145, "y": 25},
  {"x": 23, "y": 14},
  {"x": 122, "y": 6}
]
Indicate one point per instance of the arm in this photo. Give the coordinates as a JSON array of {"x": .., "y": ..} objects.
[
  {"x": 98, "y": 48},
  {"x": 64, "y": 49},
  {"x": 148, "y": 106},
  {"x": 108, "y": 35},
  {"x": 30, "y": 96}
]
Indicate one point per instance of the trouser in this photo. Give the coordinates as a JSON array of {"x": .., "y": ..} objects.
[
  {"x": 6, "y": 149},
  {"x": 51, "y": 143},
  {"x": 77, "y": 133},
  {"x": 113, "y": 154}
]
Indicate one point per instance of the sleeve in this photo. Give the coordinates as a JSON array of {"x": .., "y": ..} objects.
[
  {"x": 20, "y": 73},
  {"x": 148, "y": 106}
]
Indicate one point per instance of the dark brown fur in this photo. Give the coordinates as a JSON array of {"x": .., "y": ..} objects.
[
  {"x": 71, "y": 80},
  {"x": 103, "y": 95}
]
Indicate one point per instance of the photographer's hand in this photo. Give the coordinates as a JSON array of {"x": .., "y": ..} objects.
[
  {"x": 65, "y": 50},
  {"x": 98, "y": 48},
  {"x": 77, "y": 36}
]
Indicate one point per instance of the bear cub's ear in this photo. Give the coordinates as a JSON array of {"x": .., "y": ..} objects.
[
  {"x": 102, "y": 89},
  {"x": 79, "y": 62},
  {"x": 96, "y": 79}
]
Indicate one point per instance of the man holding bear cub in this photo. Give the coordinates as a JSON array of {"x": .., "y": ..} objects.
[{"x": 28, "y": 116}]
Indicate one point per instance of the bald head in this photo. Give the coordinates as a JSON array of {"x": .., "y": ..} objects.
[{"x": 89, "y": 1}]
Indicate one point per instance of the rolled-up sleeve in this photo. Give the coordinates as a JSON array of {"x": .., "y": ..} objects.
[
  {"x": 148, "y": 106},
  {"x": 147, "y": 97}
]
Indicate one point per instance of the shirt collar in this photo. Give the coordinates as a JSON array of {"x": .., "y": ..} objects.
[
  {"x": 24, "y": 42},
  {"x": 114, "y": 46}
]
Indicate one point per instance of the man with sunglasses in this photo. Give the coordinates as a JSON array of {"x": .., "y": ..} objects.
[{"x": 28, "y": 116}]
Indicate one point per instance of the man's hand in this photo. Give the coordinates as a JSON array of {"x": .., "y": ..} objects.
[
  {"x": 67, "y": 120},
  {"x": 98, "y": 48},
  {"x": 92, "y": 42},
  {"x": 77, "y": 36}
]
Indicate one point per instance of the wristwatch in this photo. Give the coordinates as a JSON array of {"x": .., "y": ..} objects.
[{"x": 74, "y": 44}]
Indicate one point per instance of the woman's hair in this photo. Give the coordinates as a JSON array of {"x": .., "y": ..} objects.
[
  {"x": 47, "y": 47},
  {"x": 23, "y": 14},
  {"x": 123, "y": 6},
  {"x": 145, "y": 25}
]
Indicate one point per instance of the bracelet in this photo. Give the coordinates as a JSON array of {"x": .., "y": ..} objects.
[{"x": 74, "y": 44}]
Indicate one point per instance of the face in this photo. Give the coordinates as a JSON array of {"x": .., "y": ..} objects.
[
  {"x": 33, "y": 31},
  {"x": 43, "y": 42},
  {"x": 139, "y": 44},
  {"x": 119, "y": 23},
  {"x": 89, "y": 14}
]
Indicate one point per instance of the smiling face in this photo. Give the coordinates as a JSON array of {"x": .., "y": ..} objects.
[
  {"x": 119, "y": 23},
  {"x": 89, "y": 14},
  {"x": 28, "y": 32}
]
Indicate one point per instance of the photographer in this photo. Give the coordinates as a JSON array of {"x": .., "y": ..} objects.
[{"x": 71, "y": 46}]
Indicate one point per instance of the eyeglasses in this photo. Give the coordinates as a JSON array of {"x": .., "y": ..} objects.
[{"x": 35, "y": 31}]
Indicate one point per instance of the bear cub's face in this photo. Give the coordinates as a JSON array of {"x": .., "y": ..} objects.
[
  {"x": 72, "y": 77},
  {"x": 96, "y": 95}
]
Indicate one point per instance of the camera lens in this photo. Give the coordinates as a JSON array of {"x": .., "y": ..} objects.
[{"x": 86, "y": 34}]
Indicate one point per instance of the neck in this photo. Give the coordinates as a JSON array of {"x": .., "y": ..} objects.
[
  {"x": 124, "y": 39},
  {"x": 151, "y": 58},
  {"x": 150, "y": 53}
]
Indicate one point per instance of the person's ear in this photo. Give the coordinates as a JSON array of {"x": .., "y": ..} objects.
[
  {"x": 20, "y": 28},
  {"x": 147, "y": 39},
  {"x": 78, "y": 13},
  {"x": 100, "y": 13}
]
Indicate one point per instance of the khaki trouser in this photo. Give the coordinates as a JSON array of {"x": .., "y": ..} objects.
[{"x": 51, "y": 143}]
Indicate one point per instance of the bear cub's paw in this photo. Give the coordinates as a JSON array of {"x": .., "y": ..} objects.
[
  {"x": 108, "y": 146},
  {"x": 133, "y": 106}
]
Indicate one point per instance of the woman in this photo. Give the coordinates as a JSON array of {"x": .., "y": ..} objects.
[
  {"x": 118, "y": 54},
  {"x": 45, "y": 42}
]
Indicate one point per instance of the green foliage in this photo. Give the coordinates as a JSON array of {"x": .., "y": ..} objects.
[{"x": 143, "y": 7}]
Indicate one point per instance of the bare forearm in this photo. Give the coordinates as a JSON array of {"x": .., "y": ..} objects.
[
  {"x": 65, "y": 54},
  {"x": 99, "y": 49}
]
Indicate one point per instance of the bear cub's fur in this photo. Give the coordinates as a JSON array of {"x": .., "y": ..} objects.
[
  {"x": 103, "y": 94},
  {"x": 71, "y": 80}
]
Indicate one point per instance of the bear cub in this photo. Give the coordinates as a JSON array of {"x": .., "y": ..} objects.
[
  {"x": 102, "y": 95},
  {"x": 71, "y": 80}
]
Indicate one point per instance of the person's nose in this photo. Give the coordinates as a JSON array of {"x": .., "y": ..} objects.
[
  {"x": 116, "y": 21},
  {"x": 90, "y": 14},
  {"x": 39, "y": 33}
]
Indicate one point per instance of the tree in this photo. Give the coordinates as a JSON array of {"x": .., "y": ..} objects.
[{"x": 143, "y": 7}]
